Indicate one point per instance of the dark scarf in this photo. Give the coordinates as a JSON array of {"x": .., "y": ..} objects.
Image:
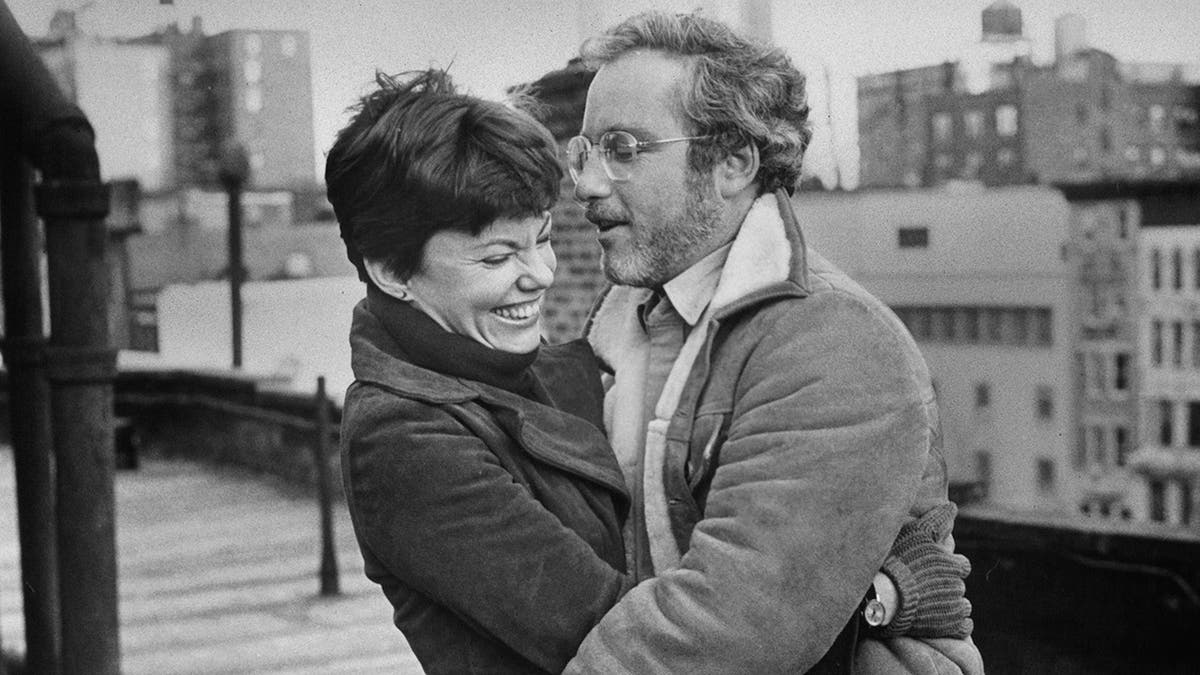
[{"x": 423, "y": 342}]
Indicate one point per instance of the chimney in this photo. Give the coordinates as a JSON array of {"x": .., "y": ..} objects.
[{"x": 1070, "y": 36}]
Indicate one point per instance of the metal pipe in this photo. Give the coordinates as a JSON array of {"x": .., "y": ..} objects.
[
  {"x": 29, "y": 413},
  {"x": 81, "y": 366},
  {"x": 329, "y": 567}
]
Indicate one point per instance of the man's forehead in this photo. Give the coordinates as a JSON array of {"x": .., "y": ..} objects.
[{"x": 636, "y": 92}]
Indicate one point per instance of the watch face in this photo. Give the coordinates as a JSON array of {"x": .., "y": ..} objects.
[{"x": 873, "y": 613}]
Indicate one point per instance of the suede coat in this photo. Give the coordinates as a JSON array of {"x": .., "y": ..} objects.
[
  {"x": 491, "y": 522},
  {"x": 796, "y": 432}
]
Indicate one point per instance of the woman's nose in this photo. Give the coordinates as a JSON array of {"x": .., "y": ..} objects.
[{"x": 539, "y": 271}]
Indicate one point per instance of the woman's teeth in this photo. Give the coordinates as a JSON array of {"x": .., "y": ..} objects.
[{"x": 518, "y": 312}]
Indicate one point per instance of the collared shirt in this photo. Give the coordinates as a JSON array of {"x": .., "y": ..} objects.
[{"x": 667, "y": 318}]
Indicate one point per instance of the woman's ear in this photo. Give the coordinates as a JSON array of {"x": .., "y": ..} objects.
[
  {"x": 386, "y": 280},
  {"x": 737, "y": 171}
]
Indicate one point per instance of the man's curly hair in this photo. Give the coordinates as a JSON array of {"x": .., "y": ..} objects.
[{"x": 740, "y": 92}]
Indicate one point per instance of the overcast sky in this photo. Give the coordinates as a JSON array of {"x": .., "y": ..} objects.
[{"x": 492, "y": 44}]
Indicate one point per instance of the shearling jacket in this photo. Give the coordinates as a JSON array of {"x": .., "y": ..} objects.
[
  {"x": 491, "y": 522},
  {"x": 796, "y": 432}
]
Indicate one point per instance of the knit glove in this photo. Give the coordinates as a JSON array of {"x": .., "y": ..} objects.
[{"x": 929, "y": 579}]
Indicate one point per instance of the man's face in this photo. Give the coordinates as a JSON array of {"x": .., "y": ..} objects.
[{"x": 664, "y": 216}]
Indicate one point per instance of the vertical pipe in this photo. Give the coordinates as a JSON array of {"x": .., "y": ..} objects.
[
  {"x": 80, "y": 365},
  {"x": 329, "y": 566},
  {"x": 233, "y": 170},
  {"x": 236, "y": 270},
  {"x": 29, "y": 412}
]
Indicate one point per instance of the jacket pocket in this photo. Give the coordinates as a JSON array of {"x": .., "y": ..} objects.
[{"x": 704, "y": 452}]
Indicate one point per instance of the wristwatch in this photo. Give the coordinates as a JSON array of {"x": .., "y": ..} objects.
[{"x": 872, "y": 609}]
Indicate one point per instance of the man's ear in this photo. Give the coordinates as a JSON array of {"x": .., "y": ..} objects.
[
  {"x": 737, "y": 171},
  {"x": 386, "y": 280}
]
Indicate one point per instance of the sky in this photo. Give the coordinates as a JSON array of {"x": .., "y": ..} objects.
[{"x": 492, "y": 44}]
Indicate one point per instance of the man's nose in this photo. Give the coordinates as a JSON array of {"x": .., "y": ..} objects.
[{"x": 593, "y": 182}]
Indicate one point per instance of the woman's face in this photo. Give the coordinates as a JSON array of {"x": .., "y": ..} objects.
[{"x": 488, "y": 287}]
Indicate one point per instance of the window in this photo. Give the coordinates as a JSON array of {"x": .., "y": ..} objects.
[
  {"x": 1193, "y": 436},
  {"x": 1006, "y": 120},
  {"x": 252, "y": 71},
  {"x": 1044, "y": 398},
  {"x": 1185, "y": 502},
  {"x": 1158, "y": 501},
  {"x": 944, "y": 329},
  {"x": 993, "y": 320},
  {"x": 1099, "y": 447},
  {"x": 1099, "y": 377},
  {"x": 1121, "y": 442},
  {"x": 1079, "y": 452},
  {"x": 1166, "y": 423},
  {"x": 1105, "y": 141},
  {"x": 1081, "y": 114},
  {"x": 254, "y": 99},
  {"x": 968, "y": 318},
  {"x": 983, "y": 395},
  {"x": 973, "y": 122},
  {"x": 1156, "y": 343},
  {"x": 1176, "y": 269},
  {"x": 1133, "y": 154},
  {"x": 1121, "y": 371},
  {"x": 1045, "y": 475},
  {"x": 1196, "y": 344},
  {"x": 1155, "y": 269},
  {"x": 914, "y": 237},
  {"x": 1158, "y": 118},
  {"x": 1158, "y": 156},
  {"x": 1043, "y": 326},
  {"x": 1177, "y": 344},
  {"x": 971, "y": 164},
  {"x": 943, "y": 127},
  {"x": 1006, "y": 157}
]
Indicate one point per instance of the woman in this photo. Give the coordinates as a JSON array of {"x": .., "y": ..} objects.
[
  {"x": 486, "y": 501},
  {"x": 485, "y": 498}
]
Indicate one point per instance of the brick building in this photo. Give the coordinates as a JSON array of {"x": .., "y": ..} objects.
[{"x": 998, "y": 118}]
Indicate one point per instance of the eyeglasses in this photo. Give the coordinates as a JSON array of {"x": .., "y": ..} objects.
[{"x": 618, "y": 150}]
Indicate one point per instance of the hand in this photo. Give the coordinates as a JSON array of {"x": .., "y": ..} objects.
[{"x": 929, "y": 578}]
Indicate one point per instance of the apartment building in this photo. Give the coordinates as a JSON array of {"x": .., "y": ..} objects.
[
  {"x": 980, "y": 279},
  {"x": 1142, "y": 243},
  {"x": 997, "y": 117}
]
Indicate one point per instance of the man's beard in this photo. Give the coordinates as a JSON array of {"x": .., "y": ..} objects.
[{"x": 658, "y": 254}]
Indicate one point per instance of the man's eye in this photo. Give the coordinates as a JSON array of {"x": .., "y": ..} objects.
[
  {"x": 495, "y": 260},
  {"x": 622, "y": 153},
  {"x": 544, "y": 240}
]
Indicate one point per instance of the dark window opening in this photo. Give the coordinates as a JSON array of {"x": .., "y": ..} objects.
[{"x": 914, "y": 237}]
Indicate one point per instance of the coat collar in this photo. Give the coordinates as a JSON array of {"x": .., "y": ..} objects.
[{"x": 552, "y": 435}]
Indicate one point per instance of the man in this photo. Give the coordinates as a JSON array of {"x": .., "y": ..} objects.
[{"x": 775, "y": 422}]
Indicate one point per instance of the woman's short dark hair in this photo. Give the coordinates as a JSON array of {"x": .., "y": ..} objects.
[{"x": 418, "y": 158}]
